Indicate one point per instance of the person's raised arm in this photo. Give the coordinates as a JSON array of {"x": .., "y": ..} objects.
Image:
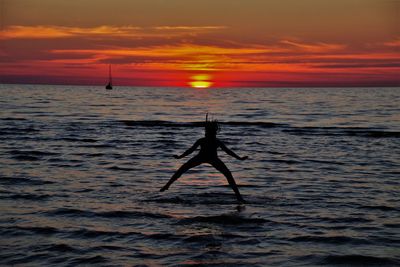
[
  {"x": 189, "y": 151},
  {"x": 230, "y": 152}
]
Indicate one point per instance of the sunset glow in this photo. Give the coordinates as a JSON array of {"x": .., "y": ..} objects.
[
  {"x": 200, "y": 81},
  {"x": 243, "y": 44}
]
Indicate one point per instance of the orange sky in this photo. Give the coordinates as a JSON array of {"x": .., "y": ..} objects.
[{"x": 218, "y": 43}]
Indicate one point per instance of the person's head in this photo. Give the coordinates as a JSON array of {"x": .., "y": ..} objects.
[{"x": 211, "y": 127}]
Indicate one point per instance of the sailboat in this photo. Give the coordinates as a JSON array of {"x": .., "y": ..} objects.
[{"x": 109, "y": 85}]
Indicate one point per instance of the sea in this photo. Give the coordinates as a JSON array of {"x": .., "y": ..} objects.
[{"x": 81, "y": 168}]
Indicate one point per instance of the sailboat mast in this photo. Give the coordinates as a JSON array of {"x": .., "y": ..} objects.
[{"x": 110, "y": 74}]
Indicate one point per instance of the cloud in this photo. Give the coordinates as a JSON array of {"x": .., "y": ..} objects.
[
  {"x": 179, "y": 50},
  {"x": 49, "y": 32},
  {"x": 189, "y": 28},
  {"x": 53, "y": 32},
  {"x": 276, "y": 57},
  {"x": 360, "y": 65},
  {"x": 166, "y": 57},
  {"x": 179, "y": 56},
  {"x": 393, "y": 43},
  {"x": 315, "y": 48}
]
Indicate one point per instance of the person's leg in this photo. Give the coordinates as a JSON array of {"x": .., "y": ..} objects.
[
  {"x": 220, "y": 166},
  {"x": 191, "y": 163}
]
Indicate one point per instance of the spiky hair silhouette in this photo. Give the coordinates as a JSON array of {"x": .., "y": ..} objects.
[{"x": 211, "y": 126}]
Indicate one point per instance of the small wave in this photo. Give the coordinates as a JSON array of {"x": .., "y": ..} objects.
[
  {"x": 105, "y": 214},
  {"x": 89, "y": 260},
  {"x": 13, "y": 119},
  {"x": 59, "y": 248},
  {"x": 131, "y": 214},
  {"x": 392, "y": 225},
  {"x": 87, "y": 233},
  {"x": 346, "y": 220},
  {"x": 33, "y": 153},
  {"x": 289, "y": 162},
  {"x": 26, "y": 158},
  {"x": 359, "y": 260},
  {"x": 80, "y": 233},
  {"x": 93, "y": 155},
  {"x": 17, "y": 130},
  {"x": 32, "y": 197},
  {"x": 239, "y": 185},
  {"x": 22, "y": 181},
  {"x": 83, "y": 140},
  {"x": 116, "y": 185},
  {"x": 338, "y": 131},
  {"x": 67, "y": 211},
  {"x": 84, "y": 190},
  {"x": 25, "y": 260},
  {"x": 110, "y": 247},
  {"x": 211, "y": 198},
  {"x": 326, "y": 131},
  {"x": 330, "y": 239},
  {"x": 378, "y": 134},
  {"x": 162, "y": 236},
  {"x": 258, "y": 124},
  {"x": 325, "y": 162},
  {"x": 160, "y": 123},
  {"x": 116, "y": 168},
  {"x": 206, "y": 238},
  {"x": 222, "y": 219},
  {"x": 212, "y": 239},
  {"x": 205, "y": 199},
  {"x": 30, "y": 155},
  {"x": 21, "y": 230},
  {"x": 172, "y": 200},
  {"x": 96, "y": 145},
  {"x": 215, "y": 254},
  {"x": 380, "y": 207}
]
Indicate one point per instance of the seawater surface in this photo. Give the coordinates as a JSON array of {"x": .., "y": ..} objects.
[{"x": 80, "y": 170}]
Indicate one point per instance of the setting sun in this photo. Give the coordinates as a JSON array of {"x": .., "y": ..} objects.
[
  {"x": 200, "y": 81},
  {"x": 200, "y": 84}
]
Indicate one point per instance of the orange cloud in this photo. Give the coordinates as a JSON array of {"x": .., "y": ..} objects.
[
  {"x": 180, "y": 50},
  {"x": 315, "y": 48},
  {"x": 37, "y": 32},
  {"x": 317, "y": 58},
  {"x": 45, "y": 32},
  {"x": 190, "y": 28},
  {"x": 182, "y": 56},
  {"x": 393, "y": 43},
  {"x": 285, "y": 60},
  {"x": 51, "y": 31}
]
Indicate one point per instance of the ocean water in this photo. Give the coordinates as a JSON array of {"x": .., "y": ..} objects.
[{"x": 81, "y": 169}]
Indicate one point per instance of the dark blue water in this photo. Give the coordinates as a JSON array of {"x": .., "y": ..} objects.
[{"x": 80, "y": 170}]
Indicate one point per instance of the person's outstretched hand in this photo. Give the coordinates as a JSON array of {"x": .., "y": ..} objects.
[
  {"x": 177, "y": 157},
  {"x": 244, "y": 158}
]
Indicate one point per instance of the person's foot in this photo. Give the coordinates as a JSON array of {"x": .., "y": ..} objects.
[
  {"x": 241, "y": 200},
  {"x": 164, "y": 188}
]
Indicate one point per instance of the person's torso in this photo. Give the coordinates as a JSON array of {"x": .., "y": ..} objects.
[{"x": 209, "y": 147}]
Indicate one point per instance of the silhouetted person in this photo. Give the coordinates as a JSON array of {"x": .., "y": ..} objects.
[{"x": 208, "y": 154}]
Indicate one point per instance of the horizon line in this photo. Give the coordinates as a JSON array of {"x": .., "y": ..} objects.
[{"x": 210, "y": 88}]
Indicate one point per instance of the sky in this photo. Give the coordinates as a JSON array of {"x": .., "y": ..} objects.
[{"x": 207, "y": 43}]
